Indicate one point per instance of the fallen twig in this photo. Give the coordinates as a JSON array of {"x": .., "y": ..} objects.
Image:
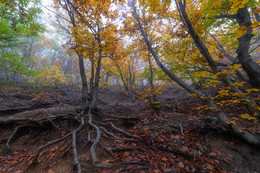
[{"x": 181, "y": 130}]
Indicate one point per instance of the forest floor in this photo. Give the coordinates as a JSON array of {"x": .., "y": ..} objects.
[{"x": 173, "y": 137}]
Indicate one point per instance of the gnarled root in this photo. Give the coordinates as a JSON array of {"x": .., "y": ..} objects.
[
  {"x": 75, "y": 154},
  {"x": 34, "y": 161},
  {"x": 93, "y": 147}
]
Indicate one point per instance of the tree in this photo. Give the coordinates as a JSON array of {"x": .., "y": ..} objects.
[
  {"x": 250, "y": 138},
  {"x": 18, "y": 21},
  {"x": 92, "y": 38}
]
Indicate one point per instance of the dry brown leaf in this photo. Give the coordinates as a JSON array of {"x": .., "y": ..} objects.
[
  {"x": 210, "y": 167},
  {"x": 50, "y": 171},
  {"x": 181, "y": 165}
]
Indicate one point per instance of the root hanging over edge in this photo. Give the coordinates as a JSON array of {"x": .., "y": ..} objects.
[
  {"x": 12, "y": 137},
  {"x": 75, "y": 154},
  {"x": 93, "y": 147},
  {"x": 34, "y": 161}
]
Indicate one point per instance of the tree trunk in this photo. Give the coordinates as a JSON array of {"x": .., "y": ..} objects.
[
  {"x": 97, "y": 74},
  {"x": 106, "y": 80},
  {"x": 122, "y": 76},
  {"x": 132, "y": 95},
  {"x": 231, "y": 58},
  {"x": 91, "y": 83},
  {"x": 84, "y": 82},
  {"x": 153, "y": 98},
  {"x": 251, "y": 68}
]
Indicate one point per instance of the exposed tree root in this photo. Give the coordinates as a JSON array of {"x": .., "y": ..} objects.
[
  {"x": 115, "y": 137},
  {"x": 24, "y": 108},
  {"x": 173, "y": 150},
  {"x": 128, "y": 148},
  {"x": 126, "y": 133},
  {"x": 93, "y": 147},
  {"x": 52, "y": 120},
  {"x": 40, "y": 121},
  {"x": 75, "y": 154},
  {"x": 177, "y": 152},
  {"x": 120, "y": 163},
  {"x": 34, "y": 161},
  {"x": 12, "y": 137},
  {"x": 209, "y": 119},
  {"x": 181, "y": 130}
]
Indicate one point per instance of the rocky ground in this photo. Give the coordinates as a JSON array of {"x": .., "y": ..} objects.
[{"x": 134, "y": 137}]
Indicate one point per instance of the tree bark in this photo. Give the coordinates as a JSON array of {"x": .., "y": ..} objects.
[
  {"x": 153, "y": 97},
  {"x": 251, "y": 68},
  {"x": 132, "y": 95},
  {"x": 84, "y": 82},
  {"x": 122, "y": 76},
  {"x": 230, "y": 57},
  {"x": 97, "y": 74}
]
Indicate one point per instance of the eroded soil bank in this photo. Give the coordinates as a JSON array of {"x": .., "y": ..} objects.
[{"x": 172, "y": 138}]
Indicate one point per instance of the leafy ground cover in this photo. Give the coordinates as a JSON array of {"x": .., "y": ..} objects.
[{"x": 135, "y": 137}]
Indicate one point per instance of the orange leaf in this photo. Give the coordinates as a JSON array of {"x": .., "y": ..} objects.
[
  {"x": 210, "y": 167},
  {"x": 41, "y": 153},
  {"x": 105, "y": 162},
  {"x": 126, "y": 153},
  {"x": 63, "y": 133},
  {"x": 50, "y": 171},
  {"x": 181, "y": 165},
  {"x": 164, "y": 159},
  {"x": 146, "y": 129}
]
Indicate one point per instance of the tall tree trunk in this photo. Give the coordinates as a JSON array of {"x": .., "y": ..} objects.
[
  {"x": 153, "y": 98},
  {"x": 230, "y": 57},
  {"x": 132, "y": 95},
  {"x": 251, "y": 68},
  {"x": 106, "y": 79},
  {"x": 97, "y": 74},
  {"x": 122, "y": 76},
  {"x": 248, "y": 137},
  {"x": 91, "y": 83},
  {"x": 84, "y": 82}
]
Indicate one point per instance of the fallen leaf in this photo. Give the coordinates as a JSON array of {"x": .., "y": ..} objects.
[
  {"x": 50, "y": 171},
  {"x": 213, "y": 154},
  {"x": 181, "y": 165},
  {"x": 210, "y": 167},
  {"x": 63, "y": 133},
  {"x": 177, "y": 136},
  {"x": 107, "y": 170},
  {"x": 126, "y": 153},
  {"x": 164, "y": 159},
  {"x": 105, "y": 162}
]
